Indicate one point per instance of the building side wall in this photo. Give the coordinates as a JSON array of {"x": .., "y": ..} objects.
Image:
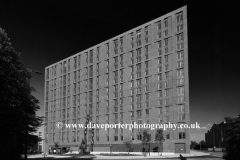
[
  {"x": 139, "y": 76},
  {"x": 215, "y": 136}
]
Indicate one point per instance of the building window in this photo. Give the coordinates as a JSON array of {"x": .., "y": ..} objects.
[
  {"x": 121, "y": 41},
  {"x": 160, "y": 102},
  {"x": 121, "y": 137},
  {"x": 98, "y": 52},
  {"x": 138, "y": 34},
  {"x": 48, "y": 73},
  {"x": 146, "y": 51},
  {"x": 69, "y": 65},
  {"x": 166, "y": 109},
  {"x": 147, "y": 88},
  {"x": 79, "y": 60},
  {"x": 160, "y": 93},
  {"x": 180, "y": 90},
  {"x": 138, "y": 99},
  {"x": 132, "y": 84},
  {"x": 167, "y": 135},
  {"x": 165, "y": 22},
  {"x": 159, "y": 25},
  {"x": 132, "y": 114},
  {"x": 180, "y": 64},
  {"x": 159, "y": 60},
  {"x": 179, "y": 37},
  {"x": 180, "y": 108},
  {"x": 91, "y": 56},
  {"x": 147, "y": 112},
  {"x": 182, "y": 135},
  {"x": 159, "y": 77},
  {"x": 160, "y": 110},
  {"x": 139, "y": 136},
  {"x": 166, "y": 75},
  {"x": 139, "y": 67},
  {"x": 159, "y": 44},
  {"x": 147, "y": 80},
  {"x": 138, "y": 51},
  {"x": 116, "y": 46},
  {"x": 115, "y": 43},
  {"x": 146, "y": 72},
  {"x": 181, "y": 117},
  {"x": 180, "y": 99},
  {"x": 159, "y": 34},
  {"x": 132, "y": 38},
  {"x": 180, "y": 72},
  {"x": 146, "y": 31},
  {"x": 165, "y": 32},
  {"x": 138, "y": 42},
  {"x": 179, "y": 17},
  {"x": 180, "y": 54},
  {"x": 115, "y": 138},
  {"x": 180, "y": 46},
  {"x": 180, "y": 81},
  {"x": 166, "y": 42},
  {"x": 132, "y": 54},
  {"x": 146, "y": 34},
  {"x": 146, "y": 65},
  {"x": 179, "y": 27},
  {"x": 139, "y": 113},
  {"x": 107, "y": 49},
  {"x": 160, "y": 119},
  {"x": 132, "y": 106}
]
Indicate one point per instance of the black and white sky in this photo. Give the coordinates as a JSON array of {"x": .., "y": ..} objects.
[{"x": 47, "y": 31}]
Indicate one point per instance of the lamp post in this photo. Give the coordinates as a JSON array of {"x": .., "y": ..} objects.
[{"x": 26, "y": 111}]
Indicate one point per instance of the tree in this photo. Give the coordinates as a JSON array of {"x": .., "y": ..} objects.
[
  {"x": 193, "y": 144},
  {"x": 201, "y": 144},
  {"x": 146, "y": 139},
  {"x": 232, "y": 136},
  {"x": 17, "y": 105},
  {"x": 83, "y": 146},
  {"x": 159, "y": 138},
  {"x": 57, "y": 146},
  {"x": 128, "y": 143}
]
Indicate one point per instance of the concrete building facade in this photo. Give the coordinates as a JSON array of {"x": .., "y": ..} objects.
[{"x": 139, "y": 76}]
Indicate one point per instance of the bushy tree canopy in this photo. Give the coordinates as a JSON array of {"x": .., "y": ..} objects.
[
  {"x": 128, "y": 143},
  {"x": 159, "y": 138},
  {"x": 17, "y": 106}
]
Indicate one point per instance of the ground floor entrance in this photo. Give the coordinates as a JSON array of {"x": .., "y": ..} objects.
[{"x": 180, "y": 148}]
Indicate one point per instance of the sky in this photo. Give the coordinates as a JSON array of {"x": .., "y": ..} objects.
[{"x": 48, "y": 31}]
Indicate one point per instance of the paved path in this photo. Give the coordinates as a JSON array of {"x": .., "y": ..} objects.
[{"x": 194, "y": 155}]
